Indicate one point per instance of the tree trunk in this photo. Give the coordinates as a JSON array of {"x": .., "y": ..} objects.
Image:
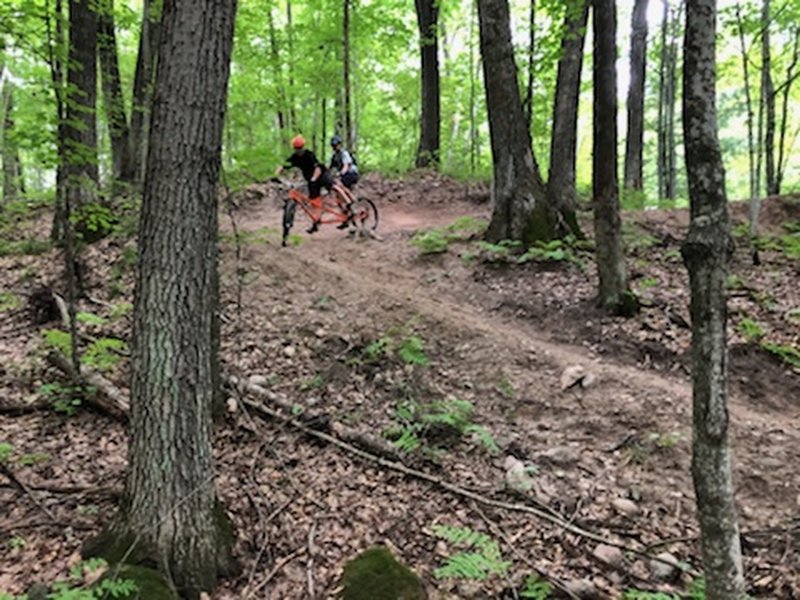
[
  {"x": 614, "y": 294},
  {"x": 427, "y": 18},
  {"x": 634, "y": 142},
  {"x": 292, "y": 123},
  {"x": 706, "y": 251},
  {"x": 81, "y": 118},
  {"x": 473, "y": 96},
  {"x": 661, "y": 133},
  {"x": 527, "y": 104},
  {"x": 10, "y": 154},
  {"x": 348, "y": 123},
  {"x": 113, "y": 101},
  {"x": 768, "y": 93},
  {"x": 786, "y": 86},
  {"x": 561, "y": 177},
  {"x": 672, "y": 85},
  {"x": 57, "y": 51},
  {"x": 277, "y": 73},
  {"x": 170, "y": 505},
  {"x": 519, "y": 197},
  {"x": 751, "y": 145},
  {"x": 143, "y": 87}
]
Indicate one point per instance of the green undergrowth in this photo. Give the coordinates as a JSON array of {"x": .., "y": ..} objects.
[
  {"x": 478, "y": 556},
  {"x": 753, "y": 332},
  {"x": 438, "y": 240}
]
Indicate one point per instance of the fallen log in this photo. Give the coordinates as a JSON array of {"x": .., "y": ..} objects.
[{"x": 109, "y": 399}]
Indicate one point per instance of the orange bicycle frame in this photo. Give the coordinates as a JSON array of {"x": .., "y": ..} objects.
[{"x": 324, "y": 209}]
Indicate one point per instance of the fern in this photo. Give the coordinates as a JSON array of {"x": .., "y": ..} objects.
[
  {"x": 103, "y": 354},
  {"x": 484, "y": 562},
  {"x": 535, "y": 588},
  {"x": 484, "y": 437},
  {"x": 412, "y": 352},
  {"x": 59, "y": 340}
]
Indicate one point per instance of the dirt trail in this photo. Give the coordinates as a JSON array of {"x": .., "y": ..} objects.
[{"x": 624, "y": 436}]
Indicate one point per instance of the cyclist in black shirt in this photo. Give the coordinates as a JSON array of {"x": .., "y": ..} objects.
[{"x": 314, "y": 172}]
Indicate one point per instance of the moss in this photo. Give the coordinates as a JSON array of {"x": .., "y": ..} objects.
[
  {"x": 377, "y": 575},
  {"x": 116, "y": 548},
  {"x": 227, "y": 565}
]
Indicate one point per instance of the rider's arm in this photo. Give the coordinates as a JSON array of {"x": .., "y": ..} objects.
[{"x": 317, "y": 172}]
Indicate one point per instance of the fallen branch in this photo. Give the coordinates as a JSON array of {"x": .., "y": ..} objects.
[
  {"x": 275, "y": 570},
  {"x": 9, "y": 474},
  {"x": 317, "y": 421},
  {"x": 22, "y": 408},
  {"x": 110, "y": 399}
]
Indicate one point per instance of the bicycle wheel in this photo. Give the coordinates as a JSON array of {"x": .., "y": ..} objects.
[
  {"x": 365, "y": 213},
  {"x": 289, "y": 207}
]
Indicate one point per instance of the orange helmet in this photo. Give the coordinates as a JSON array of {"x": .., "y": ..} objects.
[{"x": 298, "y": 142}]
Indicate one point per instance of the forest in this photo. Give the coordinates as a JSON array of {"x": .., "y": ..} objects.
[{"x": 524, "y": 321}]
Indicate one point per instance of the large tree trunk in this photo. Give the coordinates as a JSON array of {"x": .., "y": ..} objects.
[
  {"x": 427, "y": 19},
  {"x": 768, "y": 95},
  {"x": 561, "y": 176},
  {"x": 81, "y": 118},
  {"x": 113, "y": 101},
  {"x": 519, "y": 197},
  {"x": 706, "y": 253},
  {"x": 634, "y": 142},
  {"x": 143, "y": 87},
  {"x": 170, "y": 505},
  {"x": 614, "y": 294}
]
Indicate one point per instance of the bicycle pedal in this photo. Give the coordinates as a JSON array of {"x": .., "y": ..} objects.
[{"x": 314, "y": 228}]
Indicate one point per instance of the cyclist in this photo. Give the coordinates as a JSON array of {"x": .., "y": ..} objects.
[
  {"x": 314, "y": 172},
  {"x": 344, "y": 163}
]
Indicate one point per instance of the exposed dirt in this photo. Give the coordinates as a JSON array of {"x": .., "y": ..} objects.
[{"x": 499, "y": 336}]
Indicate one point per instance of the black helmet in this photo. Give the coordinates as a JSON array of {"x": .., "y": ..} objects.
[{"x": 336, "y": 140}]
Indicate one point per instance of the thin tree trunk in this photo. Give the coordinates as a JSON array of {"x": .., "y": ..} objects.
[
  {"x": 292, "y": 124},
  {"x": 527, "y": 104},
  {"x": 170, "y": 506},
  {"x": 614, "y": 294},
  {"x": 56, "y": 51},
  {"x": 768, "y": 93},
  {"x": 10, "y": 154},
  {"x": 563, "y": 143},
  {"x": 662, "y": 104},
  {"x": 473, "y": 125},
  {"x": 348, "y": 123},
  {"x": 143, "y": 87},
  {"x": 81, "y": 118},
  {"x": 429, "y": 140},
  {"x": 706, "y": 251},
  {"x": 786, "y": 87},
  {"x": 519, "y": 197},
  {"x": 634, "y": 142},
  {"x": 277, "y": 73},
  {"x": 672, "y": 84},
  {"x": 113, "y": 101}
]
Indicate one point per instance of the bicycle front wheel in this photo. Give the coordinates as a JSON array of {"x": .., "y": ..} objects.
[{"x": 365, "y": 214}]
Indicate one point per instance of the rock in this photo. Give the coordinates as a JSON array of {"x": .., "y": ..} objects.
[
  {"x": 625, "y": 507},
  {"x": 320, "y": 333},
  {"x": 572, "y": 376},
  {"x": 232, "y": 405},
  {"x": 259, "y": 380},
  {"x": 561, "y": 456},
  {"x": 582, "y": 588},
  {"x": 666, "y": 573},
  {"x": 289, "y": 351},
  {"x": 609, "y": 555},
  {"x": 588, "y": 380},
  {"x": 518, "y": 475}
]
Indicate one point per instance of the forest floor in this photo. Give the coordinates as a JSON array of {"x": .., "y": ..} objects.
[{"x": 389, "y": 341}]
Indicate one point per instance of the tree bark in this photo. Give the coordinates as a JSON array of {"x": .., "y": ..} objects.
[
  {"x": 520, "y": 210},
  {"x": 277, "y": 71},
  {"x": 348, "y": 122},
  {"x": 634, "y": 143},
  {"x": 672, "y": 85},
  {"x": 11, "y": 174},
  {"x": 527, "y": 104},
  {"x": 706, "y": 252},
  {"x": 751, "y": 144},
  {"x": 785, "y": 89},
  {"x": 561, "y": 176},
  {"x": 113, "y": 101},
  {"x": 429, "y": 139},
  {"x": 170, "y": 504},
  {"x": 768, "y": 94},
  {"x": 143, "y": 87},
  {"x": 81, "y": 118},
  {"x": 614, "y": 294}
]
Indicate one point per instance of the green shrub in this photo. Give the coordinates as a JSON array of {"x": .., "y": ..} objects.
[
  {"x": 483, "y": 561},
  {"x": 750, "y": 330}
]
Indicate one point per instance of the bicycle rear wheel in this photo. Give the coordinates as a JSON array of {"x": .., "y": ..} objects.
[
  {"x": 289, "y": 208},
  {"x": 365, "y": 214}
]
